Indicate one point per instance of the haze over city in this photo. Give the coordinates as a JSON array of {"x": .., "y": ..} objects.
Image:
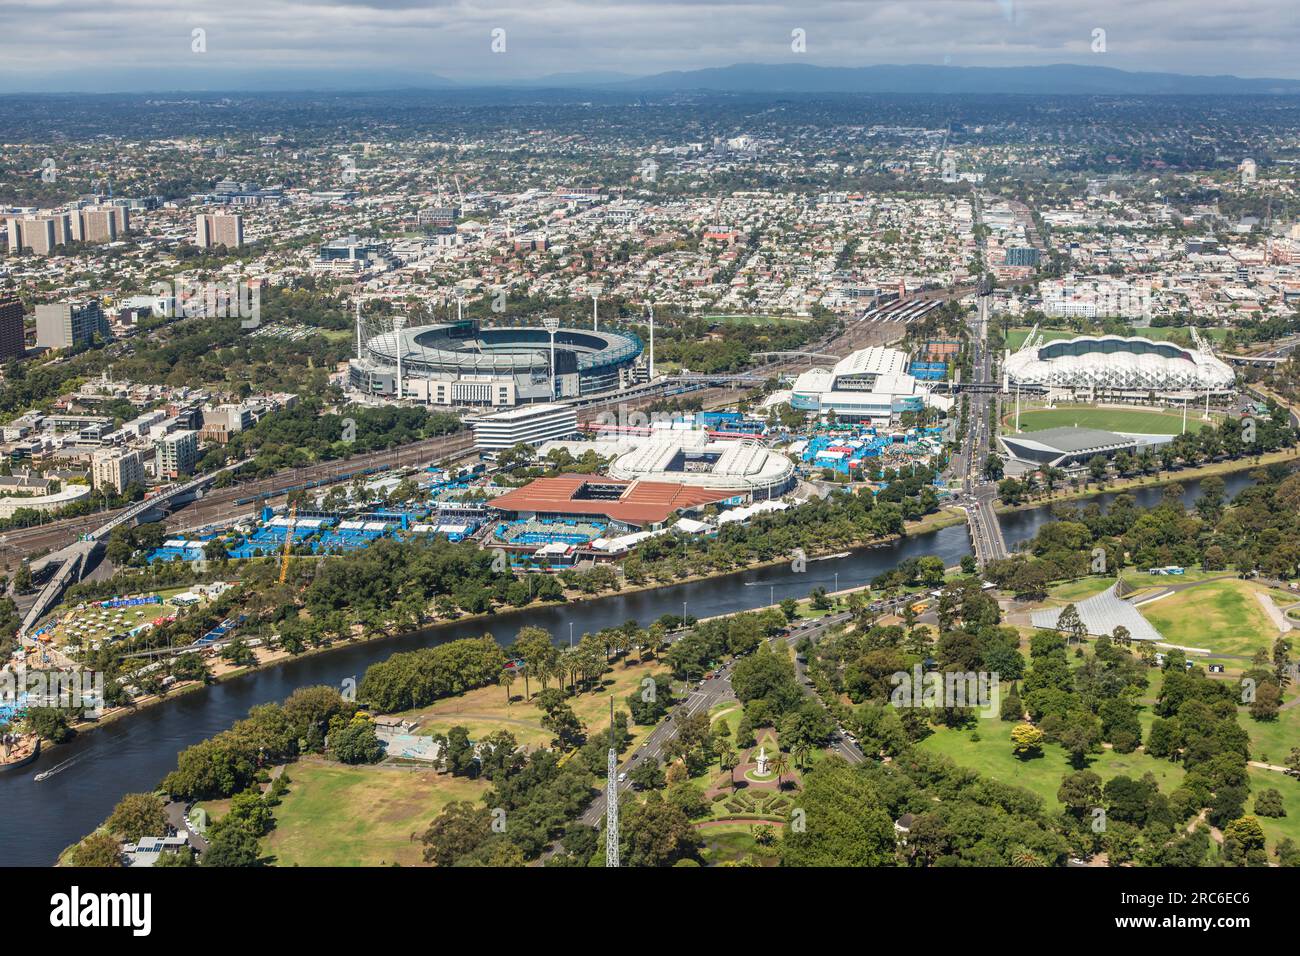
[{"x": 123, "y": 45}]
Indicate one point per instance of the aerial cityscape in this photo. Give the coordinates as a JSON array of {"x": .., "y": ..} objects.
[{"x": 694, "y": 453}]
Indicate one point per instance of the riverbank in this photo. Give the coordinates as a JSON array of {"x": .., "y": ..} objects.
[
  {"x": 271, "y": 658},
  {"x": 1117, "y": 486}
]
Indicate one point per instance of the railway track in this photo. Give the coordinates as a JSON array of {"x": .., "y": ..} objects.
[{"x": 223, "y": 503}]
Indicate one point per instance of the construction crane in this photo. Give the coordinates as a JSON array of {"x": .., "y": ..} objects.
[{"x": 288, "y": 543}]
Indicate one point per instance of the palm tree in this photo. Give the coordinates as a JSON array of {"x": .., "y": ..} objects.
[
  {"x": 780, "y": 763},
  {"x": 506, "y": 679},
  {"x": 800, "y": 753},
  {"x": 728, "y": 761}
]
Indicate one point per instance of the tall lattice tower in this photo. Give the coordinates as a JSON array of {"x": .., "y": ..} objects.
[{"x": 611, "y": 797}]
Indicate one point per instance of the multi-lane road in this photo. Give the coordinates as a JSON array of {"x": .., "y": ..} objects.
[
  {"x": 979, "y": 494},
  {"x": 705, "y": 695}
]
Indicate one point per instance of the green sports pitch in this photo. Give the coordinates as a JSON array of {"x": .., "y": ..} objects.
[{"x": 1142, "y": 421}]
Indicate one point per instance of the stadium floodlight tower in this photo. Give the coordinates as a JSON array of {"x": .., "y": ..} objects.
[
  {"x": 651, "y": 308},
  {"x": 552, "y": 324},
  {"x": 595, "y": 315}
]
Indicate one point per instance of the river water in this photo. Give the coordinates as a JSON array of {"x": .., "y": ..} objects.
[{"x": 37, "y": 820}]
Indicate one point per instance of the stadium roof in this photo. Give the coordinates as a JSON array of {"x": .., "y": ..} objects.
[
  {"x": 1069, "y": 439},
  {"x": 1101, "y": 614},
  {"x": 1114, "y": 361},
  {"x": 639, "y": 502}
]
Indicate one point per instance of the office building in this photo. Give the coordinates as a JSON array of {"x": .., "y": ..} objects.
[{"x": 527, "y": 425}]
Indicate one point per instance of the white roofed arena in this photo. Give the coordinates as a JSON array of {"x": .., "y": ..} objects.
[{"x": 1116, "y": 366}]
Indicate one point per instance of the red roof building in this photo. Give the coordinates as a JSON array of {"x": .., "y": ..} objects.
[{"x": 633, "y": 503}]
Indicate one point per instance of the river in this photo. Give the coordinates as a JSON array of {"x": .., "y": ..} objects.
[{"x": 37, "y": 820}]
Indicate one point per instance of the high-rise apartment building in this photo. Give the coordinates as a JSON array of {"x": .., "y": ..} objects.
[
  {"x": 70, "y": 324},
  {"x": 12, "y": 344},
  {"x": 42, "y": 234},
  {"x": 178, "y": 453},
  {"x": 117, "y": 468},
  {"x": 218, "y": 229}
]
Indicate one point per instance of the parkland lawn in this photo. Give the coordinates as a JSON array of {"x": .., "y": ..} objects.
[
  {"x": 1276, "y": 828},
  {"x": 339, "y": 815},
  {"x": 484, "y": 710},
  {"x": 1144, "y": 421},
  {"x": 1224, "y": 617},
  {"x": 991, "y": 755}
]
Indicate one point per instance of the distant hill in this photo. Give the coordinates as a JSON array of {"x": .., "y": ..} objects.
[{"x": 1057, "y": 79}]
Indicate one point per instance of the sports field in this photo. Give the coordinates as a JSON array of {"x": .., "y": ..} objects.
[
  {"x": 1016, "y": 337},
  {"x": 336, "y": 815},
  {"x": 1143, "y": 421}
]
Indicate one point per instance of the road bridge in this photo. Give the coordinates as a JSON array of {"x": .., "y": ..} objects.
[{"x": 73, "y": 560}]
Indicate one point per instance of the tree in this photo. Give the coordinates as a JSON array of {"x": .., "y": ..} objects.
[
  {"x": 1079, "y": 732},
  {"x": 656, "y": 833},
  {"x": 780, "y": 764},
  {"x": 647, "y": 775},
  {"x": 1268, "y": 803},
  {"x": 1071, "y": 624},
  {"x": 1011, "y": 707},
  {"x": 1027, "y": 741},
  {"x": 1246, "y": 832},
  {"x": 1080, "y": 792},
  {"x": 840, "y": 820},
  {"x": 728, "y": 760},
  {"x": 251, "y": 811},
  {"x": 230, "y": 844},
  {"x": 506, "y": 680},
  {"x": 457, "y": 830},
  {"x": 99, "y": 849},
  {"x": 355, "y": 741},
  {"x": 138, "y": 815}
]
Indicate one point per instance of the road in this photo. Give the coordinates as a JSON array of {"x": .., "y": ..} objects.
[
  {"x": 219, "y": 504},
  {"x": 978, "y": 493},
  {"x": 710, "y": 693}
]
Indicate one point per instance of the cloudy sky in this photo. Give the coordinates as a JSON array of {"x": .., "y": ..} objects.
[{"x": 106, "y": 45}]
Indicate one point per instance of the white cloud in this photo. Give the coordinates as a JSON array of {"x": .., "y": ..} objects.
[{"x": 48, "y": 42}]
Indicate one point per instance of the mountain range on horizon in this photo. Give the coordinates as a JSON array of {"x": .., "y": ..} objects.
[{"x": 792, "y": 78}]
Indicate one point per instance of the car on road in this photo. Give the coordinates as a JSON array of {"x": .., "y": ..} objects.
[{"x": 622, "y": 777}]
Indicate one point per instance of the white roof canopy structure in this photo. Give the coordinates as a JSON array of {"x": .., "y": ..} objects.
[{"x": 1101, "y": 614}]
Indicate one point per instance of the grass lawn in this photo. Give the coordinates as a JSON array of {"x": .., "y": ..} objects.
[
  {"x": 336, "y": 815},
  {"x": 1016, "y": 337},
  {"x": 1146, "y": 421},
  {"x": 1275, "y": 828},
  {"x": 733, "y": 841},
  {"x": 1271, "y": 740},
  {"x": 1079, "y": 590},
  {"x": 992, "y": 755},
  {"x": 1222, "y": 616},
  {"x": 484, "y": 710}
]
